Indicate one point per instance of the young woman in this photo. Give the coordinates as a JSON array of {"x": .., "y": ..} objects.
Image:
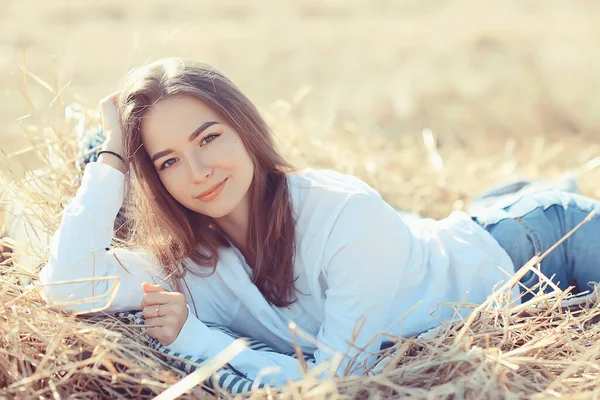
[{"x": 228, "y": 232}]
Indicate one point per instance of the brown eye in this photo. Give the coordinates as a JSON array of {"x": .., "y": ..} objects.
[
  {"x": 168, "y": 163},
  {"x": 209, "y": 138}
]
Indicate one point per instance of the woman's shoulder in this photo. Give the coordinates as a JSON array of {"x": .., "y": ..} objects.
[
  {"x": 319, "y": 196},
  {"x": 332, "y": 209}
]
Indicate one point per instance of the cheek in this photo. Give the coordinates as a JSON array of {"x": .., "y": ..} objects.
[
  {"x": 173, "y": 186},
  {"x": 243, "y": 168},
  {"x": 243, "y": 160}
]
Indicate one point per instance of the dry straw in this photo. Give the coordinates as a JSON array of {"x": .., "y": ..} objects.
[{"x": 544, "y": 348}]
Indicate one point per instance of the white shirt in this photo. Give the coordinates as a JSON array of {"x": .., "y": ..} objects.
[{"x": 357, "y": 262}]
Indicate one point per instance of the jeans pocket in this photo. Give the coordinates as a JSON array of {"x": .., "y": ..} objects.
[
  {"x": 530, "y": 279},
  {"x": 543, "y": 229},
  {"x": 519, "y": 240}
]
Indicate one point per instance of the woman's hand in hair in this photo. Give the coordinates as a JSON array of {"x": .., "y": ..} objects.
[
  {"x": 113, "y": 131},
  {"x": 164, "y": 312}
]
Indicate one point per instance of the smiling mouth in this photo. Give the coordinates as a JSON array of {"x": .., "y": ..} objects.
[{"x": 212, "y": 194}]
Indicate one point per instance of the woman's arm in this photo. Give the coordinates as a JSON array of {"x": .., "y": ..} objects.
[
  {"x": 365, "y": 261},
  {"x": 79, "y": 250},
  {"x": 195, "y": 338}
]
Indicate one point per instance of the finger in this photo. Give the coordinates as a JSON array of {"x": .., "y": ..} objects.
[
  {"x": 149, "y": 287},
  {"x": 156, "y": 333},
  {"x": 160, "y": 329},
  {"x": 155, "y": 298},
  {"x": 172, "y": 309},
  {"x": 158, "y": 322},
  {"x": 151, "y": 310},
  {"x": 165, "y": 334}
]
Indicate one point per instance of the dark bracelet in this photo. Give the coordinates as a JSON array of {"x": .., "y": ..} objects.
[{"x": 113, "y": 153}]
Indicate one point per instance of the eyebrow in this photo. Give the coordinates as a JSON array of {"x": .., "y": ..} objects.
[{"x": 192, "y": 137}]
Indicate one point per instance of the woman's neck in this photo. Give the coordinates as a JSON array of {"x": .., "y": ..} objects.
[{"x": 235, "y": 225}]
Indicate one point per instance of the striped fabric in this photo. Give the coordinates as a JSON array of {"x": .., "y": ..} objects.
[{"x": 228, "y": 378}]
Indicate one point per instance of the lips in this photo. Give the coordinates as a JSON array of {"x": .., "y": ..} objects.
[{"x": 212, "y": 193}]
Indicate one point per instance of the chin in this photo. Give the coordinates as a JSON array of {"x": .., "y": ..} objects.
[
  {"x": 216, "y": 215},
  {"x": 215, "y": 212}
]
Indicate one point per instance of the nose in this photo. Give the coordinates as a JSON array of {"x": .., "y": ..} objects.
[{"x": 200, "y": 169}]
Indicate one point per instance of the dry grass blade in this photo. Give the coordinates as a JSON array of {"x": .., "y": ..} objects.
[
  {"x": 501, "y": 350},
  {"x": 205, "y": 372}
]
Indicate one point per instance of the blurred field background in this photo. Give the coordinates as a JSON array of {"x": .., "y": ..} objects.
[
  {"x": 430, "y": 101},
  {"x": 520, "y": 78}
]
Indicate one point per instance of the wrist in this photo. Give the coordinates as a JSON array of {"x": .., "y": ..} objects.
[
  {"x": 112, "y": 153},
  {"x": 111, "y": 145},
  {"x": 113, "y": 161},
  {"x": 181, "y": 335}
]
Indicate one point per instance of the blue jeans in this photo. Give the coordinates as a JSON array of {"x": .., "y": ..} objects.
[{"x": 530, "y": 224}]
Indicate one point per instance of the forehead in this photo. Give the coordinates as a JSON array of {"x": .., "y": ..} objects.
[{"x": 173, "y": 119}]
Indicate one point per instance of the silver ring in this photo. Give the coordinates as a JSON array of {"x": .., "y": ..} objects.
[{"x": 158, "y": 310}]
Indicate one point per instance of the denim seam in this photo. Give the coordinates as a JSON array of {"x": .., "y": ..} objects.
[
  {"x": 486, "y": 224},
  {"x": 537, "y": 244},
  {"x": 537, "y": 247}
]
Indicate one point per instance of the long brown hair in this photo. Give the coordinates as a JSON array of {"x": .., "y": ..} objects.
[{"x": 175, "y": 233}]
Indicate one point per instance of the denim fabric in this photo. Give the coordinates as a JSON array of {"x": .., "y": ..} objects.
[{"x": 531, "y": 224}]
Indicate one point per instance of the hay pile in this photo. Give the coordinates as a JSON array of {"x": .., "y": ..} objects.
[{"x": 538, "y": 349}]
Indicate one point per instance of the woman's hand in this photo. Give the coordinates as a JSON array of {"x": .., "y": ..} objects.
[
  {"x": 113, "y": 131},
  {"x": 165, "y": 312}
]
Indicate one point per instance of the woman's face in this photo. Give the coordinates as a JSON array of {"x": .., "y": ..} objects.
[{"x": 200, "y": 160}]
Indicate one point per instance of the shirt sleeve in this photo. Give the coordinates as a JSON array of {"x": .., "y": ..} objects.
[
  {"x": 79, "y": 251},
  {"x": 365, "y": 256},
  {"x": 197, "y": 339}
]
